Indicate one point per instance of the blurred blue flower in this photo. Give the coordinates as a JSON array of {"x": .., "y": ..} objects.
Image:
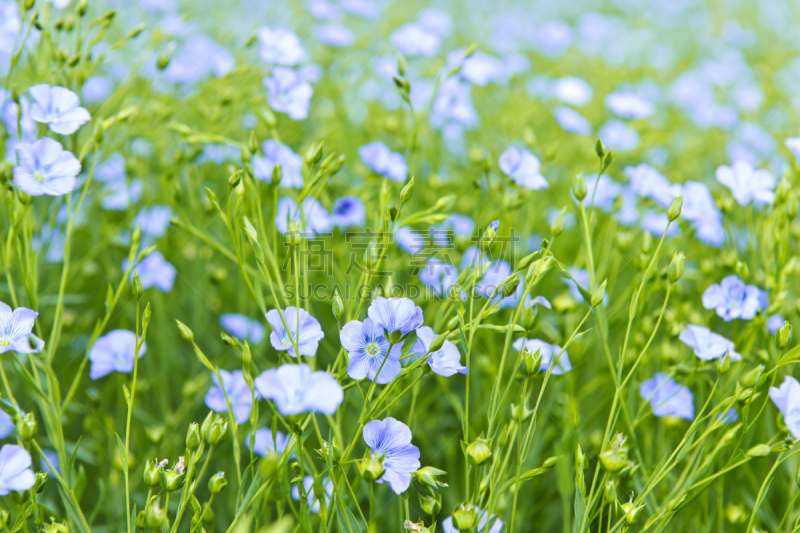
[
  {"x": 114, "y": 352},
  {"x": 410, "y": 241},
  {"x": 280, "y": 46},
  {"x": 708, "y": 345},
  {"x": 667, "y": 398},
  {"x": 335, "y": 35},
  {"x": 581, "y": 276},
  {"x": 237, "y": 391},
  {"x": 571, "y": 121},
  {"x": 629, "y": 105},
  {"x": 153, "y": 222},
  {"x": 296, "y": 389},
  {"x": 15, "y": 330},
  {"x": 383, "y": 161},
  {"x": 323, "y": 10},
  {"x": 304, "y": 330},
  {"x": 414, "y": 40},
  {"x": 96, "y": 89},
  {"x": 552, "y": 39},
  {"x": 390, "y": 440},
  {"x": 462, "y": 225},
  {"x": 787, "y": 399},
  {"x": 657, "y": 223},
  {"x": 242, "y": 327},
  {"x": 119, "y": 195},
  {"x": 288, "y": 93},
  {"x": 479, "y": 68},
  {"x": 522, "y": 167},
  {"x": 648, "y": 182},
  {"x": 264, "y": 442},
  {"x": 111, "y": 169},
  {"x": 497, "y": 524},
  {"x": 793, "y": 144},
  {"x": 367, "y": 348},
  {"x": 395, "y": 314},
  {"x": 436, "y": 20},
  {"x": 58, "y": 107},
  {"x": 746, "y": 184},
  {"x": 439, "y": 276},
  {"x": 313, "y": 499},
  {"x": 60, "y": 4},
  {"x": 45, "y": 168},
  {"x": 452, "y": 106},
  {"x": 548, "y": 352},
  {"x": 154, "y": 271},
  {"x": 572, "y": 90},
  {"x": 607, "y": 192},
  {"x": 362, "y": 8},
  {"x": 774, "y": 323},
  {"x": 446, "y": 361},
  {"x": 7, "y": 426},
  {"x": 280, "y": 154},
  {"x": 15, "y": 469},
  {"x": 312, "y": 218},
  {"x": 733, "y": 299},
  {"x": 699, "y": 208},
  {"x": 348, "y": 211},
  {"x": 199, "y": 57},
  {"x": 619, "y": 136}
]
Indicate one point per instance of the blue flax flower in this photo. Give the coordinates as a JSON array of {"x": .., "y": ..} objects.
[
  {"x": 15, "y": 330},
  {"x": 153, "y": 221},
  {"x": 774, "y": 323},
  {"x": 154, "y": 271},
  {"x": 446, "y": 361},
  {"x": 312, "y": 217},
  {"x": 242, "y": 327},
  {"x": 413, "y": 40},
  {"x": 45, "y": 168},
  {"x": 296, "y": 389},
  {"x": 304, "y": 330},
  {"x": 667, "y": 398},
  {"x": 278, "y": 153},
  {"x": 367, "y": 349},
  {"x": 114, "y": 352},
  {"x": 571, "y": 121},
  {"x": 280, "y": 46},
  {"x": 238, "y": 393},
  {"x": 708, "y": 345},
  {"x": 390, "y": 441},
  {"x": 548, "y": 352},
  {"x": 522, "y": 167},
  {"x": 787, "y": 399},
  {"x": 746, "y": 184},
  {"x": 648, "y": 182},
  {"x": 439, "y": 276},
  {"x": 15, "y": 469},
  {"x": 288, "y": 93},
  {"x": 313, "y": 500},
  {"x": 383, "y": 161},
  {"x": 348, "y": 211},
  {"x": 395, "y": 315},
  {"x": 264, "y": 443},
  {"x": 733, "y": 299},
  {"x": 58, "y": 107}
]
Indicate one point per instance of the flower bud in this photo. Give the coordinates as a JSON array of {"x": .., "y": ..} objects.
[
  {"x": 599, "y": 148},
  {"x": 510, "y": 287},
  {"x": 615, "y": 458},
  {"x": 141, "y": 520},
  {"x": 759, "y": 450},
  {"x": 193, "y": 438},
  {"x": 632, "y": 512},
  {"x": 155, "y": 516},
  {"x": 136, "y": 285},
  {"x": 599, "y": 294},
  {"x": 489, "y": 235},
  {"x": 675, "y": 208},
  {"x": 294, "y": 236},
  {"x": 558, "y": 224},
  {"x": 783, "y": 336},
  {"x": 217, "y": 431},
  {"x": 152, "y": 473},
  {"x": 431, "y": 504},
  {"x": 172, "y": 479},
  {"x": 464, "y": 517},
  {"x": 208, "y": 513},
  {"x": 314, "y": 153},
  {"x": 478, "y": 451},
  {"x": 186, "y": 333},
  {"x": 525, "y": 262},
  {"x": 98, "y": 132},
  {"x": 407, "y": 191},
  {"x": 438, "y": 342},
  {"x": 724, "y": 364},
  {"x": 579, "y": 187},
  {"x": 426, "y": 476},
  {"x": 371, "y": 469},
  {"x": 331, "y": 451},
  {"x": 26, "y": 427},
  {"x": 338, "y": 305},
  {"x": 782, "y": 192},
  {"x": 56, "y": 527},
  {"x": 217, "y": 483},
  {"x": 41, "y": 479},
  {"x": 530, "y": 363},
  {"x": 791, "y": 210},
  {"x": 610, "y": 492},
  {"x": 268, "y": 465},
  {"x": 676, "y": 267},
  {"x": 752, "y": 378}
]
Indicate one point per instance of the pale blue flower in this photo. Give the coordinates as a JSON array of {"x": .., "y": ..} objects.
[
  {"x": 667, "y": 398},
  {"x": 648, "y": 182},
  {"x": 479, "y": 68},
  {"x": 96, "y": 89},
  {"x": 7, "y": 426},
  {"x": 497, "y": 524},
  {"x": 198, "y": 57},
  {"x": 323, "y": 10},
  {"x": 280, "y": 154},
  {"x": 313, "y": 500},
  {"x": 395, "y": 314},
  {"x": 581, "y": 277},
  {"x": 288, "y": 93},
  {"x": 303, "y": 330},
  {"x": 607, "y": 192},
  {"x": 746, "y": 184},
  {"x": 619, "y": 136},
  {"x": 367, "y": 350},
  {"x": 729, "y": 418},
  {"x": 436, "y": 20},
  {"x": 452, "y": 106},
  {"x": 242, "y": 327},
  {"x": 15, "y": 330},
  {"x": 366, "y": 9},
  {"x": 462, "y": 225},
  {"x": 280, "y": 46},
  {"x": 657, "y": 223},
  {"x": 237, "y": 391},
  {"x": 410, "y": 241},
  {"x": 415, "y": 40},
  {"x": 59, "y": 4},
  {"x": 793, "y": 144},
  {"x": 390, "y": 441},
  {"x": 120, "y": 195},
  {"x": 154, "y": 271},
  {"x": 548, "y": 352},
  {"x": 572, "y": 90},
  {"x": 571, "y": 121},
  {"x": 335, "y": 35},
  {"x": 698, "y": 204},
  {"x": 446, "y": 361},
  {"x": 522, "y": 167},
  {"x": 348, "y": 211},
  {"x": 552, "y": 39},
  {"x": 153, "y": 222},
  {"x": 629, "y": 105},
  {"x": 312, "y": 218},
  {"x": 15, "y": 469},
  {"x": 58, "y": 107},
  {"x": 774, "y": 323},
  {"x": 733, "y": 299},
  {"x": 439, "y": 276},
  {"x": 708, "y": 345},
  {"x": 296, "y": 389},
  {"x": 383, "y": 161},
  {"x": 114, "y": 352},
  {"x": 52, "y": 458},
  {"x": 787, "y": 399},
  {"x": 45, "y": 168},
  {"x": 264, "y": 443}
]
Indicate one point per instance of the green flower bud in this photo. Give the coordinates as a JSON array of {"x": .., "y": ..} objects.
[
  {"x": 408, "y": 525},
  {"x": 41, "y": 479},
  {"x": 525, "y": 262},
  {"x": 742, "y": 270},
  {"x": 402, "y": 64},
  {"x": 530, "y": 363},
  {"x": 791, "y": 210},
  {"x": 152, "y": 473},
  {"x": 676, "y": 267},
  {"x": 724, "y": 364},
  {"x": 579, "y": 187},
  {"x": 511, "y": 287},
  {"x": 783, "y": 336},
  {"x": 137, "y": 31},
  {"x": 338, "y": 305},
  {"x": 294, "y": 235},
  {"x": 735, "y": 514},
  {"x": 314, "y": 153},
  {"x": 752, "y": 378},
  {"x": 26, "y": 427},
  {"x": 217, "y": 483},
  {"x": 141, "y": 520},
  {"x": 234, "y": 179},
  {"x": 99, "y": 131},
  {"x": 759, "y": 450},
  {"x": 217, "y": 431},
  {"x": 370, "y": 469},
  {"x": 438, "y": 342},
  {"x": 186, "y": 333},
  {"x": 193, "y": 438},
  {"x": 336, "y": 165},
  {"x": 599, "y": 148},
  {"x": 675, "y": 503},
  {"x": 558, "y": 224},
  {"x": 392, "y": 210},
  {"x": 478, "y": 451},
  {"x": 675, "y": 208},
  {"x": 426, "y": 476},
  {"x": 464, "y": 517},
  {"x": 136, "y": 285},
  {"x": 330, "y": 450},
  {"x": 431, "y": 503},
  {"x": 56, "y": 527},
  {"x": 174, "y": 478},
  {"x": 268, "y": 465},
  {"x": 208, "y": 513},
  {"x": 615, "y": 458},
  {"x": 155, "y": 516},
  {"x": 782, "y": 192},
  {"x": 599, "y": 294},
  {"x": 610, "y": 492},
  {"x": 631, "y": 512},
  {"x": 277, "y": 174}
]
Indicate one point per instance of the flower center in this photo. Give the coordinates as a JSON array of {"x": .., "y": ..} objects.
[
  {"x": 373, "y": 348},
  {"x": 39, "y": 175},
  {"x": 5, "y": 342}
]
